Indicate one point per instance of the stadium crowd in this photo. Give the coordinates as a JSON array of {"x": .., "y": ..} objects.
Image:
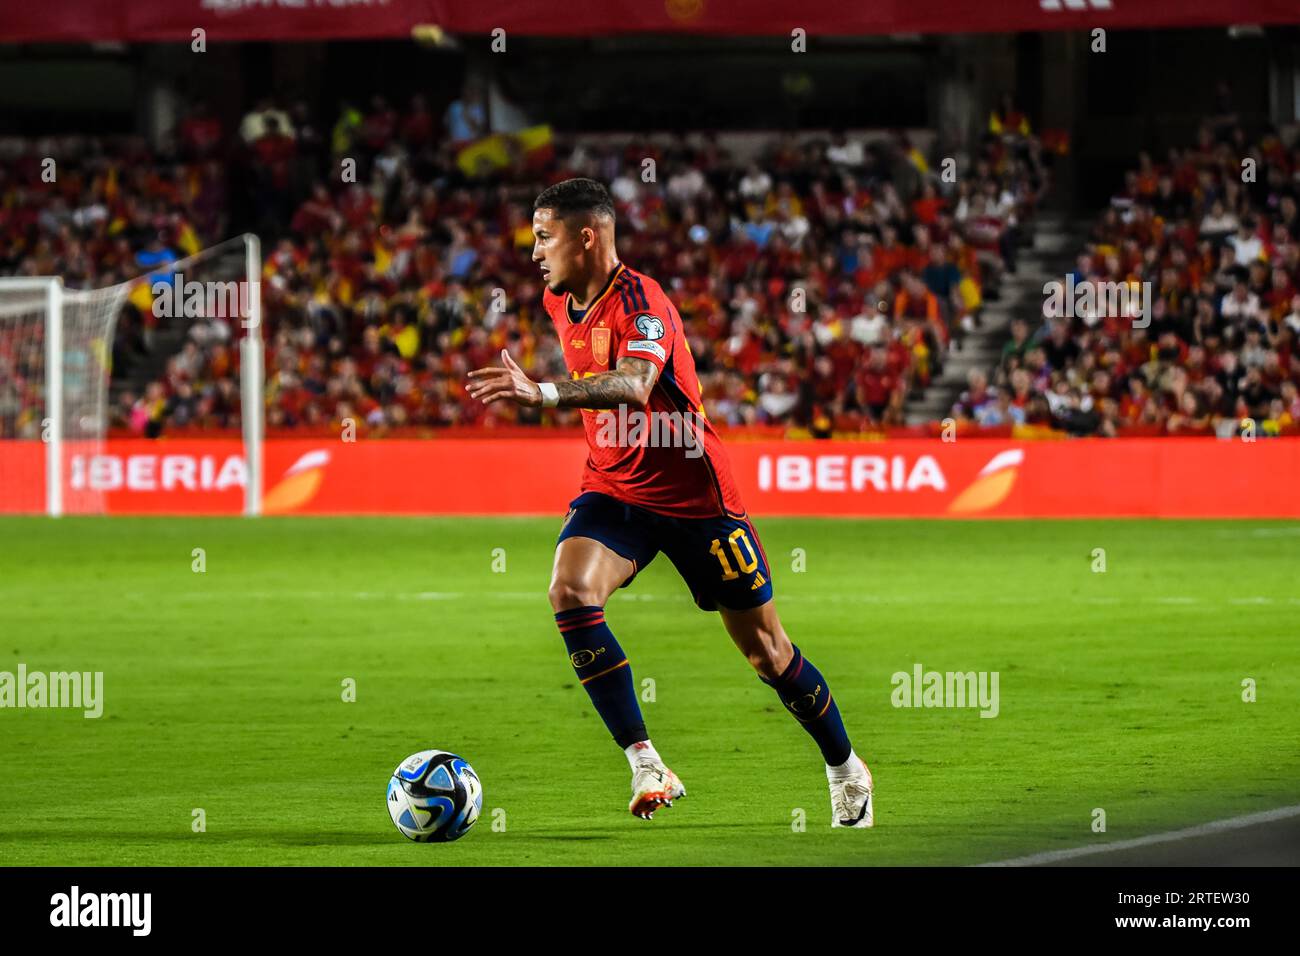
[
  {"x": 1213, "y": 230},
  {"x": 819, "y": 284}
]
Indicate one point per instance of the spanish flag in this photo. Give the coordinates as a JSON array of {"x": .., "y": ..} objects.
[
  {"x": 187, "y": 240},
  {"x": 917, "y": 159},
  {"x": 383, "y": 258},
  {"x": 538, "y": 144},
  {"x": 484, "y": 156},
  {"x": 492, "y": 153},
  {"x": 142, "y": 297}
]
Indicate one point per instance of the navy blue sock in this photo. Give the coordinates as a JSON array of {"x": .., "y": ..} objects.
[
  {"x": 806, "y": 694},
  {"x": 604, "y": 671}
]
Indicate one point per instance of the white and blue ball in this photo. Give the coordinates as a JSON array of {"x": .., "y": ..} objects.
[{"x": 434, "y": 797}]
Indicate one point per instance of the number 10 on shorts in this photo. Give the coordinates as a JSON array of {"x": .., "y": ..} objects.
[{"x": 735, "y": 539}]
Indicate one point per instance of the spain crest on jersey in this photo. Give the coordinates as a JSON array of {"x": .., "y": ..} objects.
[{"x": 600, "y": 346}]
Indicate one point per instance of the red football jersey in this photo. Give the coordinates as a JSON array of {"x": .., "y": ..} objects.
[{"x": 644, "y": 457}]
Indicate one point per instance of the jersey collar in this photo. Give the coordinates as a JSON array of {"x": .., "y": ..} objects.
[{"x": 609, "y": 286}]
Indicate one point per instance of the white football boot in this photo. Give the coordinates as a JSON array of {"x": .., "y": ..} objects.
[
  {"x": 653, "y": 786},
  {"x": 851, "y": 800}
]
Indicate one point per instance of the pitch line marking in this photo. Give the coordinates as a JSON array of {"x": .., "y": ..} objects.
[
  {"x": 1172, "y": 600},
  {"x": 1171, "y": 836}
]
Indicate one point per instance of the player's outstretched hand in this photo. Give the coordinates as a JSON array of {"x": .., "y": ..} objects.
[{"x": 490, "y": 385}]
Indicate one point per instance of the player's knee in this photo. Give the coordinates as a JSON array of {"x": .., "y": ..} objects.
[
  {"x": 769, "y": 653},
  {"x": 765, "y": 664},
  {"x": 566, "y": 595}
]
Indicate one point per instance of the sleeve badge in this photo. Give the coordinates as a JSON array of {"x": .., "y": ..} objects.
[{"x": 650, "y": 327}]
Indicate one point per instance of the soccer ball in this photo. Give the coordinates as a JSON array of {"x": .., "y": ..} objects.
[{"x": 434, "y": 797}]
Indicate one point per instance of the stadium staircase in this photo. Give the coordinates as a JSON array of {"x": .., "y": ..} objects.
[{"x": 1056, "y": 242}]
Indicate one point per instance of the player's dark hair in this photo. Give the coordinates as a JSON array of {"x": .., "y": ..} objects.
[{"x": 574, "y": 196}]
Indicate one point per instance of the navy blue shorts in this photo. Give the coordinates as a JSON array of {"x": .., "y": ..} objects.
[{"x": 720, "y": 559}]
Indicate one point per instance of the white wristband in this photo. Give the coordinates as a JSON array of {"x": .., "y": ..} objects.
[{"x": 550, "y": 394}]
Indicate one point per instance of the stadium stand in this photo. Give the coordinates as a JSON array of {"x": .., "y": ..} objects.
[
  {"x": 379, "y": 294},
  {"x": 1222, "y": 260}
]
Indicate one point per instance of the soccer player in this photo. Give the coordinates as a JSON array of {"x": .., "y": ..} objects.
[{"x": 656, "y": 479}]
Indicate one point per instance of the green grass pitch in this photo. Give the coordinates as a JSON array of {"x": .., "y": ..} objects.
[{"x": 1119, "y": 690}]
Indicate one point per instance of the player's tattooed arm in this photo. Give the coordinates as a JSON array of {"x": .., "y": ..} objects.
[{"x": 628, "y": 383}]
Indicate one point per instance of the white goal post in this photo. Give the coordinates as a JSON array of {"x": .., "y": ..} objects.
[{"x": 56, "y": 347}]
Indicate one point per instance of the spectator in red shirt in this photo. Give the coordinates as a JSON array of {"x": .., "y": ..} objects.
[
  {"x": 379, "y": 125},
  {"x": 200, "y": 132},
  {"x": 418, "y": 125},
  {"x": 876, "y": 386}
]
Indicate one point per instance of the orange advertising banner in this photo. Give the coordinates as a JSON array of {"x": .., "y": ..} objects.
[{"x": 968, "y": 478}]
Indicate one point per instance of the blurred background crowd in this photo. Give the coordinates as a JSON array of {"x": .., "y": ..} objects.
[
  {"x": 823, "y": 280},
  {"x": 820, "y": 280},
  {"x": 1213, "y": 230}
]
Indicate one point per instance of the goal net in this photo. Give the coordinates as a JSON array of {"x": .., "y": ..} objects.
[{"x": 57, "y": 348}]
